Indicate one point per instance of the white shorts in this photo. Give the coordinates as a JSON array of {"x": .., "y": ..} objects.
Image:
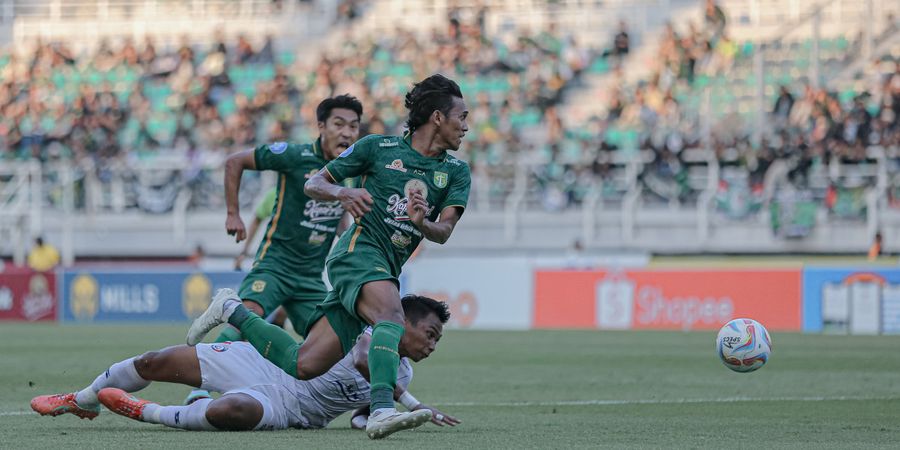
[{"x": 236, "y": 367}]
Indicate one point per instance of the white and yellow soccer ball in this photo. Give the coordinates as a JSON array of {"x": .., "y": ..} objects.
[{"x": 743, "y": 345}]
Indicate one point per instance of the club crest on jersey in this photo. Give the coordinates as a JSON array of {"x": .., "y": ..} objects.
[
  {"x": 396, "y": 165},
  {"x": 278, "y": 147},
  {"x": 440, "y": 179},
  {"x": 258, "y": 286}
]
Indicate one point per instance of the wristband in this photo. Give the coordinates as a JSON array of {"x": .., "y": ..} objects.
[{"x": 408, "y": 401}]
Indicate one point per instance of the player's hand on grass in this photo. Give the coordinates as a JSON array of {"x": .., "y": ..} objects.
[
  {"x": 356, "y": 201},
  {"x": 416, "y": 208},
  {"x": 437, "y": 417},
  {"x": 235, "y": 227}
]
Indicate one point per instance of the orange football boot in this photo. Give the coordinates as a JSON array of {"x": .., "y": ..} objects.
[
  {"x": 56, "y": 404},
  {"x": 123, "y": 403}
]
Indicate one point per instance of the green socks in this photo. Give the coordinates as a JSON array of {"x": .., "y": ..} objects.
[
  {"x": 271, "y": 341},
  {"x": 383, "y": 362}
]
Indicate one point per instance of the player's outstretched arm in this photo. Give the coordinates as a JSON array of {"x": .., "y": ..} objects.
[
  {"x": 404, "y": 397},
  {"x": 439, "y": 231},
  {"x": 322, "y": 187},
  {"x": 235, "y": 166}
]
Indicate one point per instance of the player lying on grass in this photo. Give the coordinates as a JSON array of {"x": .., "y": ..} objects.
[{"x": 257, "y": 395}]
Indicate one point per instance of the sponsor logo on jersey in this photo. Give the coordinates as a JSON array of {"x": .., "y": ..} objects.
[
  {"x": 396, "y": 165},
  {"x": 347, "y": 152},
  {"x": 440, "y": 179},
  {"x": 195, "y": 295},
  {"x": 454, "y": 161},
  {"x": 306, "y": 152},
  {"x": 415, "y": 185},
  {"x": 388, "y": 143},
  {"x": 258, "y": 286},
  {"x": 418, "y": 172},
  {"x": 398, "y": 205},
  {"x": 323, "y": 211},
  {"x": 316, "y": 238},
  {"x": 85, "y": 294},
  {"x": 400, "y": 240},
  {"x": 278, "y": 147},
  {"x": 217, "y": 347}
]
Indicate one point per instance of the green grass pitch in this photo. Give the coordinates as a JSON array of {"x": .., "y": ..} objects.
[{"x": 512, "y": 389}]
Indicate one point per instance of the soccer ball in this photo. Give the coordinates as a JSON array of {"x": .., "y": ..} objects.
[{"x": 743, "y": 345}]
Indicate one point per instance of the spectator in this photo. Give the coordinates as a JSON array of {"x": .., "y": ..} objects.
[
  {"x": 43, "y": 256},
  {"x": 783, "y": 105}
]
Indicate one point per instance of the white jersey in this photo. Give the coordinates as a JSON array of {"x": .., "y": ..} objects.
[
  {"x": 236, "y": 367},
  {"x": 343, "y": 389}
]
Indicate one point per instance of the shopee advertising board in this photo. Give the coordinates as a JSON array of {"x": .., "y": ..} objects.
[
  {"x": 666, "y": 299},
  {"x": 489, "y": 293}
]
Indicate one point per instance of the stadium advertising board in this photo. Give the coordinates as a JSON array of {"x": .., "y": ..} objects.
[
  {"x": 488, "y": 293},
  {"x": 666, "y": 299},
  {"x": 855, "y": 300},
  {"x": 27, "y": 295},
  {"x": 98, "y": 296}
]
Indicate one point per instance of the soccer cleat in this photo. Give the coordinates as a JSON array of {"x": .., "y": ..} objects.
[
  {"x": 382, "y": 425},
  {"x": 123, "y": 403},
  {"x": 214, "y": 315},
  {"x": 54, "y": 405},
  {"x": 196, "y": 394}
]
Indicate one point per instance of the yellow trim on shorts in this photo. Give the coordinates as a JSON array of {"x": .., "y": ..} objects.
[
  {"x": 277, "y": 215},
  {"x": 353, "y": 239}
]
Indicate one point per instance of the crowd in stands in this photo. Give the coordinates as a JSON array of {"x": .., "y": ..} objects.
[{"x": 132, "y": 100}]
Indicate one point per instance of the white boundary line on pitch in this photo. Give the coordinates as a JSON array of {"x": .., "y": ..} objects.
[{"x": 675, "y": 401}]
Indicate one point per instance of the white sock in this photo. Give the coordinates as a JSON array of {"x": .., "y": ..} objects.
[
  {"x": 190, "y": 417},
  {"x": 122, "y": 375}
]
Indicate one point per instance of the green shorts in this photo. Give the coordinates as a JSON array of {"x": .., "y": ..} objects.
[
  {"x": 298, "y": 296},
  {"x": 348, "y": 272}
]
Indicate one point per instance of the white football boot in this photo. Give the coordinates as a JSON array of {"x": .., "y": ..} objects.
[
  {"x": 383, "y": 423},
  {"x": 216, "y": 313}
]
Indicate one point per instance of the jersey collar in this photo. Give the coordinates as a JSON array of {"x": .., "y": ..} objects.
[{"x": 317, "y": 147}]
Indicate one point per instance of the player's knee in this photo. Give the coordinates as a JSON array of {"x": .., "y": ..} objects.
[
  {"x": 254, "y": 307},
  {"x": 234, "y": 413},
  {"x": 148, "y": 364}
]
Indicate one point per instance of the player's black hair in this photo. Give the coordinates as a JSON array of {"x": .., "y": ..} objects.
[
  {"x": 345, "y": 101},
  {"x": 434, "y": 93},
  {"x": 416, "y": 307}
]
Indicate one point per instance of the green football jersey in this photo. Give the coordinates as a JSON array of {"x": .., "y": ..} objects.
[
  {"x": 301, "y": 231},
  {"x": 389, "y": 168}
]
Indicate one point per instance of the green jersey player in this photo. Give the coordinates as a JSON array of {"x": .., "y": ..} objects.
[
  {"x": 287, "y": 271},
  {"x": 412, "y": 189}
]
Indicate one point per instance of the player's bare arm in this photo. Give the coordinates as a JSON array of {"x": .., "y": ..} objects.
[
  {"x": 235, "y": 166},
  {"x": 361, "y": 362},
  {"x": 439, "y": 231},
  {"x": 322, "y": 187}
]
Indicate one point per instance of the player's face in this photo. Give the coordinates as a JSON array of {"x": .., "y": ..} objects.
[
  {"x": 339, "y": 131},
  {"x": 453, "y": 126},
  {"x": 420, "y": 339}
]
